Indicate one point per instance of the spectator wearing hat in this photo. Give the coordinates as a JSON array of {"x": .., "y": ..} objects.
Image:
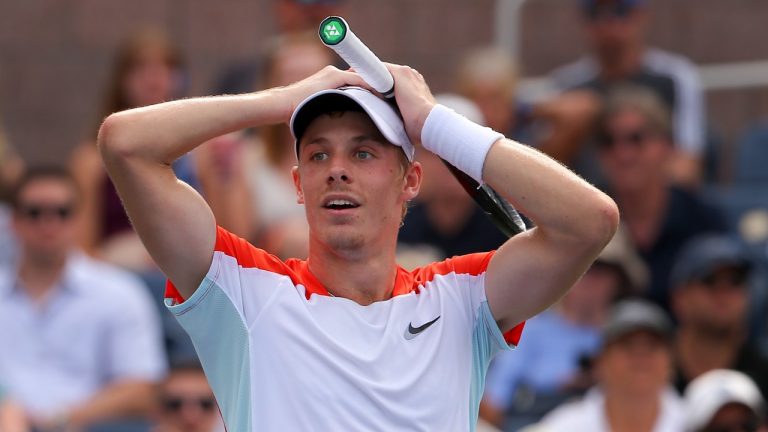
[
  {"x": 632, "y": 370},
  {"x": 724, "y": 401},
  {"x": 555, "y": 362},
  {"x": 616, "y": 33},
  {"x": 711, "y": 299}
]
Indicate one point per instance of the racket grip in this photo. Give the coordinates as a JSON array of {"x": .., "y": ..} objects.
[{"x": 353, "y": 51}]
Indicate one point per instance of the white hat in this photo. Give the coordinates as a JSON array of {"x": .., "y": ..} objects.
[
  {"x": 384, "y": 116},
  {"x": 706, "y": 394}
]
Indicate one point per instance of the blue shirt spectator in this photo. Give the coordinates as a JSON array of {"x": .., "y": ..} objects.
[
  {"x": 550, "y": 351},
  {"x": 97, "y": 326},
  {"x": 81, "y": 343}
]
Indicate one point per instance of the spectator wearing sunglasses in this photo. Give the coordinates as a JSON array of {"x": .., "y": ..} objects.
[
  {"x": 635, "y": 143},
  {"x": 79, "y": 340},
  {"x": 711, "y": 298},
  {"x": 616, "y": 34},
  {"x": 724, "y": 401},
  {"x": 187, "y": 403}
]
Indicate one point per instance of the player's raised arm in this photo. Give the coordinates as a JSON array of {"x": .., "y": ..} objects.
[
  {"x": 574, "y": 220},
  {"x": 138, "y": 146}
]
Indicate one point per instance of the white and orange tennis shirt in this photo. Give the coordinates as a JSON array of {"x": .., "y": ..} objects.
[{"x": 282, "y": 354}]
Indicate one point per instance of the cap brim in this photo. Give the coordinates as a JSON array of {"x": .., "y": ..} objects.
[{"x": 383, "y": 115}]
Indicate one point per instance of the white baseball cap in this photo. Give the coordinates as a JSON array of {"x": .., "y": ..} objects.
[
  {"x": 384, "y": 116},
  {"x": 706, "y": 394}
]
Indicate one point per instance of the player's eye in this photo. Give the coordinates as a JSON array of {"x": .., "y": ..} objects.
[
  {"x": 318, "y": 156},
  {"x": 362, "y": 154}
]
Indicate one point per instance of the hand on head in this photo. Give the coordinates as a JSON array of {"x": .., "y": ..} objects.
[
  {"x": 414, "y": 99},
  {"x": 412, "y": 93},
  {"x": 329, "y": 77}
]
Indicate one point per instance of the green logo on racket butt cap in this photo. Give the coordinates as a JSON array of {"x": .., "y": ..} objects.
[{"x": 333, "y": 30}]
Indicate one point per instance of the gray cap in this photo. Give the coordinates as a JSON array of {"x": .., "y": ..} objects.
[
  {"x": 633, "y": 315},
  {"x": 706, "y": 253}
]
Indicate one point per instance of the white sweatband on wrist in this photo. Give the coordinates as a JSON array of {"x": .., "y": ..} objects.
[{"x": 461, "y": 142}]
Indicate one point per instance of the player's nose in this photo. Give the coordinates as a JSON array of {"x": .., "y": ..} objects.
[{"x": 338, "y": 172}]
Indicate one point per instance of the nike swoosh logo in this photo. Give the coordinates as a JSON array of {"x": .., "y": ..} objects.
[{"x": 411, "y": 332}]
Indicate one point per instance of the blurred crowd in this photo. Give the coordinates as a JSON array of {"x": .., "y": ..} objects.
[{"x": 667, "y": 331}]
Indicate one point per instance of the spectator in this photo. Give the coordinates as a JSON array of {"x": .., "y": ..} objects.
[
  {"x": 187, "y": 403},
  {"x": 617, "y": 37},
  {"x": 724, "y": 400},
  {"x": 632, "y": 370},
  {"x": 292, "y": 17},
  {"x": 148, "y": 70},
  {"x": 11, "y": 416},
  {"x": 277, "y": 220},
  {"x": 554, "y": 362},
  {"x": 444, "y": 217},
  {"x": 81, "y": 343},
  {"x": 488, "y": 77},
  {"x": 634, "y": 141},
  {"x": 711, "y": 301}
]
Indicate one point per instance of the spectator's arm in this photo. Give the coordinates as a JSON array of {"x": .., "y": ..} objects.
[
  {"x": 12, "y": 418},
  {"x": 86, "y": 166},
  {"x": 570, "y": 118},
  {"x": 119, "y": 400}
]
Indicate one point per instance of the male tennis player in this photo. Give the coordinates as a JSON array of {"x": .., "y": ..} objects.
[{"x": 347, "y": 340}]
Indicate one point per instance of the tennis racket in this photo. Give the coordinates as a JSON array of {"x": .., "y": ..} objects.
[{"x": 336, "y": 34}]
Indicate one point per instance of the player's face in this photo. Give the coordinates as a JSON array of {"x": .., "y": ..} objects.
[{"x": 352, "y": 182}]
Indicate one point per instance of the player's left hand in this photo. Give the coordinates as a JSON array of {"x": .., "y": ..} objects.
[{"x": 414, "y": 99}]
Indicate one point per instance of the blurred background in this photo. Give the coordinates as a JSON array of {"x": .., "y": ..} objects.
[
  {"x": 662, "y": 104},
  {"x": 59, "y": 51}
]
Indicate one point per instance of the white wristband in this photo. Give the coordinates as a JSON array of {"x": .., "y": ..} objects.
[{"x": 459, "y": 141}]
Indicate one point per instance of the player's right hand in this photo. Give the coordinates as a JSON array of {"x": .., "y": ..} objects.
[{"x": 329, "y": 77}]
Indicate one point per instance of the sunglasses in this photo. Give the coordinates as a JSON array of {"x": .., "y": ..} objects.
[
  {"x": 37, "y": 212},
  {"x": 174, "y": 404},
  {"x": 733, "y": 279},
  {"x": 636, "y": 139}
]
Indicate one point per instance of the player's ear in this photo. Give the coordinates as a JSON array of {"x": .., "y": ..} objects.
[
  {"x": 412, "y": 183},
  {"x": 297, "y": 184}
]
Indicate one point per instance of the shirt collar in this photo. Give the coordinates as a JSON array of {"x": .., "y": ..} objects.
[{"x": 70, "y": 280}]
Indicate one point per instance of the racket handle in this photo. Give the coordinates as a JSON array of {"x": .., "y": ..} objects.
[{"x": 336, "y": 34}]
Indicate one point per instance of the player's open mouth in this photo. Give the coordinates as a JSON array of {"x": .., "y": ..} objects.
[{"x": 340, "y": 204}]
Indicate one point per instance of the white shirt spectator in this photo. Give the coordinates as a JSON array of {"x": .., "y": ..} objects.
[
  {"x": 588, "y": 415},
  {"x": 97, "y": 325}
]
